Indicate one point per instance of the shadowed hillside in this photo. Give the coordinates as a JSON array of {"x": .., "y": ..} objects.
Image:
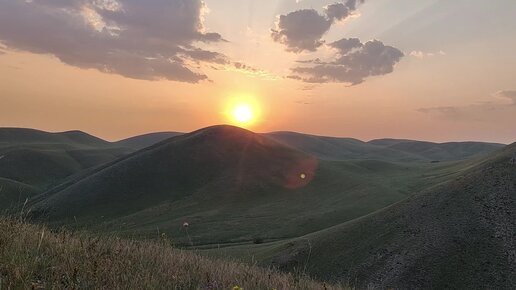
[
  {"x": 232, "y": 186},
  {"x": 31, "y": 161},
  {"x": 13, "y": 136},
  {"x": 333, "y": 148},
  {"x": 439, "y": 151},
  {"x": 146, "y": 140},
  {"x": 458, "y": 235}
]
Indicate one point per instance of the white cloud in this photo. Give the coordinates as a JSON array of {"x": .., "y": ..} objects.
[{"x": 420, "y": 54}]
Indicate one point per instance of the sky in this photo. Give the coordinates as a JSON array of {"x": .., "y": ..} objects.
[{"x": 434, "y": 70}]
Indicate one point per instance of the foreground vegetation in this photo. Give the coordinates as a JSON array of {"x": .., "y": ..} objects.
[{"x": 31, "y": 257}]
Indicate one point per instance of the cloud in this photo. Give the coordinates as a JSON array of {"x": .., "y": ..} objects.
[
  {"x": 302, "y": 30},
  {"x": 447, "y": 112},
  {"x": 353, "y": 62},
  {"x": 507, "y": 94},
  {"x": 478, "y": 111},
  {"x": 420, "y": 54},
  {"x": 154, "y": 39}
]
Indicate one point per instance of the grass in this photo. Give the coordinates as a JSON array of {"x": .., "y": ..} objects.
[{"x": 32, "y": 257}]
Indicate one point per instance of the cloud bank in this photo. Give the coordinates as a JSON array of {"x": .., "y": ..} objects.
[
  {"x": 478, "y": 111},
  {"x": 152, "y": 39},
  {"x": 302, "y": 30},
  {"x": 354, "y": 61}
]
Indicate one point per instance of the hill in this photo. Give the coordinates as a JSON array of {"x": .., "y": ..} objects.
[
  {"x": 232, "y": 186},
  {"x": 439, "y": 151},
  {"x": 16, "y": 136},
  {"x": 457, "y": 235},
  {"x": 333, "y": 148},
  {"x": 35, "y": 258},
  {"x": 32, "y": 161},
  {"x": 146, "y": 140}
]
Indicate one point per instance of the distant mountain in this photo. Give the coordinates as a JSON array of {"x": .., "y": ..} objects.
[
  {"x": 16, "y": 136},
  {"x": 334, "y": 148},
  {"x": 146, "y": 140},
  {"x": 458, "y": 235},
  {"x": 232, "y": 185},
  {"x": 439, "y": 151}
]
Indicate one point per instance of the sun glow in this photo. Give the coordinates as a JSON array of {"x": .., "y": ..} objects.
[{"x": 243, "y": 111}]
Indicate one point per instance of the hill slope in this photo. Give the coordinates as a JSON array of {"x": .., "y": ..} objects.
[
  {"x": 14, "y": 136},
  {"x": 34, "y": 258},
  {"x": 146, "y": 140},
  {"x": 232, "y": 186},
  {"x": 31, "y": 161},
  {"x": 459, "y": 235},
  {"x": 439, "y": 151},
  {"x": 333, "y": 148}
]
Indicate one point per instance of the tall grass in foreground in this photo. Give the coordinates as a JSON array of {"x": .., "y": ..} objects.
[{"x": 31, "y": 257}]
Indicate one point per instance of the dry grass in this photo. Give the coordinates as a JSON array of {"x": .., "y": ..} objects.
[{"x": 31, "y": 257}]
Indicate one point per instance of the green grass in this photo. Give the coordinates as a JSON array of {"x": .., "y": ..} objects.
[
  {"x": 229, "y": 185},
  {"x": 32, "y": 257},
  {"x": 455, "y": 235}
]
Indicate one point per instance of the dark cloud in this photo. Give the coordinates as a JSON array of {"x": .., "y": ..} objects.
[
  {"x": 302, "y": 30},
  {"x": 346, "y": 45},
  {"x": 152, "y": 39},
  {"x": 354, "y": 61}
]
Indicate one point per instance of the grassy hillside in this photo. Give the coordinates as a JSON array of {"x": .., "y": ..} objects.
[
  {"x": 457, "y": 235},
  {"x": 32, "y": 257},
  {"x": 13, "y": 136},
  {"x": 32, "y": 161},
  {"x": 333, "y": 148},
  {"x": 232, "y": 186},
  {"x": 146, "y": 140},
  {"x": 439, "y": 151}
]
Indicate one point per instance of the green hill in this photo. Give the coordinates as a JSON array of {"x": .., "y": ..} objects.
[
  {"x": 333, "y": 148},
  {"x": 35, "y": 160},
  {"x": 146, "y": 140},
  {"x": 14, "y": 136},
  {"x": 439, "y": 151},
  {"x": 232, "y": 186},
  {"x": 457, "y": 235}
]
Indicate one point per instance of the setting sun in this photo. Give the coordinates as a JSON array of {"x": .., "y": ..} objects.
[{"x": 242, "y": 111}]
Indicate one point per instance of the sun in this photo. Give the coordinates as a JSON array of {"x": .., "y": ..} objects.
[{"x": 243, "y": 111}]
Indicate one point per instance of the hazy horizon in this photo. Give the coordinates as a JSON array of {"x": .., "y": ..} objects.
[{"x": 259, "y": 132}]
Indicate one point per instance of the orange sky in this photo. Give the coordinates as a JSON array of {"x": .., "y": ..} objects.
[{"x": 448, "y": 86}]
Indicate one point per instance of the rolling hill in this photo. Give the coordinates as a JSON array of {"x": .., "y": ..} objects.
[
  {"x": 146, "y": 140},
  {"x": 32, "y": 161},
  {"x": 333, "y": 148},
  {"x": 456, "y": 235},
  {"x": 439, "y": 151},
  {"x": 232, "y": 186}
]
